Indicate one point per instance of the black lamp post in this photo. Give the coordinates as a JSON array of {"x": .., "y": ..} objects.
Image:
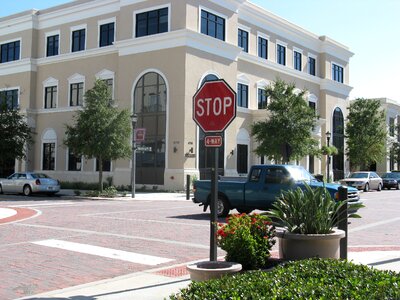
[
  {"x": 328, "y": 137},
  {"x": 133, "y": 170}
]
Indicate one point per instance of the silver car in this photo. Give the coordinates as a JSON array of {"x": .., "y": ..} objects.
[
  {"x": 364, "y": 181},
  {"x": 28, "y": 183}
]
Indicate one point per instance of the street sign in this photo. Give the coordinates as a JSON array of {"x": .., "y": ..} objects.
[
  {"x": 140, "y": 134},
  {"x": 214, "y": 106},
  {"x": 213, "y": 141}
]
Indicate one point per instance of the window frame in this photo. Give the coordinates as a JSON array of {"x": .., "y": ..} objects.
[
  {"x": 16, "y": 40},
  {"x": 11, "y": 89},
  {"x": 284, "y": 46},
  {"x": 313, "y": 56},
  {"x": 150, "y": 9},
  {"x": 68, "y": 154},
  {"x": 266, "y": 38},
  {"x": 47, "y": 36},
  {"x": 74, "y": 29},
  {"x": 217, "y": 14},
  {"x": 239, "y": 91},
  {"x": 52, "y": 166},
  {"x": 333, "y": 72},
  {"x": 246, "y": 30},
  {"x": 297, "y": 52},
  {"x": 100, "y": 23}
]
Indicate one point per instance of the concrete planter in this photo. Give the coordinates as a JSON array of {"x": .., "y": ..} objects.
[
  {"x": 293, "y": 246},
  {"x": 206, "y": 270}
]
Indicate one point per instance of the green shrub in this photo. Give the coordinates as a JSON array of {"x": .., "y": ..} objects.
[
  {"x": 109, "y": 192},
  {"x": 247, "y": 239},
  {"x": 306, "y": 279}
]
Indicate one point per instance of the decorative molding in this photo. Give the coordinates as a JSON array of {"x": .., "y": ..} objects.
[{"x": 18, "y": 66}]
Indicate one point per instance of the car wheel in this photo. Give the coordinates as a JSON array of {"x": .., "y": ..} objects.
[
  {"x": 366, "y": 188},
  {"x": 1, "y": 189},
  {"x": 379, "y": 187},
  {"x": 398, "y": 186},
  {"x": 27, "y": 190},
  {"x": 222, "y": 208}
]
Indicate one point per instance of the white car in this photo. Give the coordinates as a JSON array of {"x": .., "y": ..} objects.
[
  {"x": 364, "y": 181},
  {"x": 28, "y": 183}
]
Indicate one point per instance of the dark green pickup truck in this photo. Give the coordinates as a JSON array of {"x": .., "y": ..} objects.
[{"x": 263, "y": 185}]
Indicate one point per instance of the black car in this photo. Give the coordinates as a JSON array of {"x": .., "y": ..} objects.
[{"x": 391, "y": 180}]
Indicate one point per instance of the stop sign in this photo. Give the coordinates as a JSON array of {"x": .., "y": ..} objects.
[{"x": 214, "y": 106}]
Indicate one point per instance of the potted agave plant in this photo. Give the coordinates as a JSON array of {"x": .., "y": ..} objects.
[{"x": 308, "y": 218}]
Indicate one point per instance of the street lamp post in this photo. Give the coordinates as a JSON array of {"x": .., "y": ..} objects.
[
  {"x": 328, "y": 161},
  {"x": 133, "y": 170}
]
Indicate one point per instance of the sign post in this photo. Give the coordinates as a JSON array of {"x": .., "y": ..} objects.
[{"x": 214, "y": 108}]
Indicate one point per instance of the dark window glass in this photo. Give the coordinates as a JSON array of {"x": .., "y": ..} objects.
[
  {"x": 9, "y": 52},
  {"x": 338, "y": 142},
  {"x": 52, "y": 45},
  {"x": 50, "y": 96},
  {"x": 337, "y": 72},
  {"x": 391, "y": 126},
  {"x": 311, "y": 66},
  {"x": 242, "y": 94},
  {"x": 152, "y": 22},
  {"x": 106, "y": 165},
  {"x": 76, "y": 94},
  {"x": 49, "y": 155},
  {"x": 262, "y": 99},
  {"x": 297, "y": 60},
  {"x": 242, "y": 159},
  {"x": 312, "y": 104},
  {"x": 106, "y": 34},
  {"x": 9, "y": 99},
  {"x": 281, "y": 55},
  {"x": 74, "y": 162},
  {"x": 311, "y": 166},
  {"x": 212, "y": 25},
  {"x": 78, "y": 40},
  {"x": 243, "y": 40},
  {"x": 262, "y": 48}
]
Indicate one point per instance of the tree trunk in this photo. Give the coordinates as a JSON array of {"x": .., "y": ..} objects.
[{"x": 100, "y": 160}]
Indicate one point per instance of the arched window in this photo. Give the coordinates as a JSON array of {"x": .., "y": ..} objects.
[
  {"x": 338, "y": 142},
  {"x": 150, "y": 105}
]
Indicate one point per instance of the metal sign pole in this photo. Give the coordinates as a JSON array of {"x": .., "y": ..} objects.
[{"x": 213, "y": 209}]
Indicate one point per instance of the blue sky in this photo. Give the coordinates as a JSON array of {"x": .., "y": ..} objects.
[{"x": 370, "y": 28}]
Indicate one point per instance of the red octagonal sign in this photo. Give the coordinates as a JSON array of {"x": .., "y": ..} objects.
[{"x": 214, "y": 106}]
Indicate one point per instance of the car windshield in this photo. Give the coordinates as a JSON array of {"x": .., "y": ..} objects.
[
  {"x": 300, "y": 174},
  {"x": 391, "y": 175},
  {"x": 358, "y": 175},
  {"x": 39, "y": 175}
]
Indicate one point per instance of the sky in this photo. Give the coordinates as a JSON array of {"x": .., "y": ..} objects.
[{"x": 369, "y": 28}]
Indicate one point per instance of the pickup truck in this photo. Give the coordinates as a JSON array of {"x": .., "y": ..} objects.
[{"x": 263, "y": 185}]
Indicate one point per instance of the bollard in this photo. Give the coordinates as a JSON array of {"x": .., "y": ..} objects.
[
  {"x": 343, "y": 222},
  {"x": 187, "y": 187}
]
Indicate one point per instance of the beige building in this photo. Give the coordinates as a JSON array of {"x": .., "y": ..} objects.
[{"x": 155, "y": 55}]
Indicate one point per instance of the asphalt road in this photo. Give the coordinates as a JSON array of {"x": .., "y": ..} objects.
[{"x": 70, "y": 241}]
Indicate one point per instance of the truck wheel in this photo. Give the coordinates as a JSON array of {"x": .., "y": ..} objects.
[
  {"x": 366, "y": 188},
  {"x": 244, "y": 211},
  {"x": 27, "y": 190},
  {"x": 222, "y": 208}
]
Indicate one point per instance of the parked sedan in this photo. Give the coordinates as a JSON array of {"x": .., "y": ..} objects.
[
  {"x": 364, "y": 181},
  {"x": 391, "y": 180},
  {"x": 28, "y": 183}
]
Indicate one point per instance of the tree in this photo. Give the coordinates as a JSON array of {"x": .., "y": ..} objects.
[
  {"x": 365, "y": 133},
  {"x": 15, "y": 134},
  {"x": 101, "y": 130},
  {"x": 286, "y": 133}
]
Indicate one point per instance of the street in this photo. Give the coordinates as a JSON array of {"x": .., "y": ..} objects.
[{"x": 67, "y": 241}]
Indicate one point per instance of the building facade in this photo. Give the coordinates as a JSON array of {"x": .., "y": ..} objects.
[{"x": 155, "y": 55}]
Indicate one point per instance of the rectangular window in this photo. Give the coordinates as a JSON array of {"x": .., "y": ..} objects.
[
  {"x": 9, "y": 51},
  {"x": 152, "y": 22},
  {"x": 212, "y": 25},
  {"x": 262, "y": 48},
  {"x": 242, "y": 159},
  {"x": 262, "y": 99},
  {"x": 312, "y": 105},
  {"x": 311, "y": 167},
  {"x": 106, "y": 34},
  {"x": 243, "y": 95},
  {"x": 74, "y": 162},
  {"x": 311, "y": 66},
  {"x": 52, "y": 45},
  {"x": 9, "y": 99},
  {"x": 49, "y": 155},
  {"x": 106, "y": 165},
  {"x": 50, "y": 97},
  {"x": 337, "y": 73},
  {"x": 78, "y": 40},
  {"x": 391, "y": 126},
  {"x": 281, "y": 54},
  {"x": 76, "y": 94},
  {"x": 243, "y": 40},
  {"x": 297, "y": 60}
]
